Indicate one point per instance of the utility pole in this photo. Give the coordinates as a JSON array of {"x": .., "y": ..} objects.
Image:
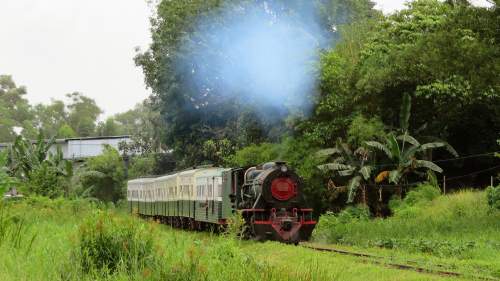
[{"x": 444, "y": 184}]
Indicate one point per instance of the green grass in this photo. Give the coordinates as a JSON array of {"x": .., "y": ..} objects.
[
  {"x": 50, "y": 248},
  {"x": 458, "y": 230}
]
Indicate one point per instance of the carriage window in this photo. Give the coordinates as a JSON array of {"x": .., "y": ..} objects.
[{"x": 219, "y": 189}]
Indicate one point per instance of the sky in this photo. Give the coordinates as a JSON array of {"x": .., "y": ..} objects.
[{"x": 61, "y": 46}]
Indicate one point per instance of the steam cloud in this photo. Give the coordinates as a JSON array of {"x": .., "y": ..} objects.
[{"x": 260, "y": 52}]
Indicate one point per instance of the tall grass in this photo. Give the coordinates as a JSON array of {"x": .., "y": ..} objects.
[
  {"x": 79, "y": 240},
  {"x": 459, "y": 226}
]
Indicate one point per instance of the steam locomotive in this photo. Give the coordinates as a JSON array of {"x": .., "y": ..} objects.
[{"x": 269, "y": 198}]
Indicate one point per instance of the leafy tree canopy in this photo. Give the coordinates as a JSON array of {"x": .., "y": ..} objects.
[{"x": 197, "y": 112}]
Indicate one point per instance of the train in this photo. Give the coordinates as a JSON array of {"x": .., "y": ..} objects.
[{"x": 269, "y": 198}]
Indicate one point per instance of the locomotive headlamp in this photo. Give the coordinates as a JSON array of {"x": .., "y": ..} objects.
[
  {"x": 283, "y": 189},
  {"x": 284, "y": 168}
]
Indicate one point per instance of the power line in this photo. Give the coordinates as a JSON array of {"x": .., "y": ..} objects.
[
  {"x": 450, "y": 159},
  {"x": 439, "y": 181},
  {"x": 467, "y": 157}
]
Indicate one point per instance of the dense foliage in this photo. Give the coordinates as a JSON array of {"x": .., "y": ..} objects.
[
  {"x": 445, "y": 56},
  {"x": 39, "y": 170},
  {"x": 440, "y": 57},
  {"x": 194, "y": 114},
  {"x": 426, "y": 73},
  {"x": 102, "y": 177}
]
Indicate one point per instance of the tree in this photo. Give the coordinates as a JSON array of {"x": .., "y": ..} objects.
[
  {"x": 83, "y": 113},
  {"x": 103, "y": 176},
  {"x": 65, "y": 131},
  {"x": 108, "y": 128},
  {"x": 352, "y": 164},
  {"x": 144, "y": 124},
  {"x": 15, "y": 111},
  {"x": 402, "y": 152},
  {"x": 50, "y": 118},
  {"x": 197, "y": 111},
  {"x": 444, "y": 56},
  {"x": 43, "y": 172}
]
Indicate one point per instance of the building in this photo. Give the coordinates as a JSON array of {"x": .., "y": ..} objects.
[{"x": 85, "y": 147}]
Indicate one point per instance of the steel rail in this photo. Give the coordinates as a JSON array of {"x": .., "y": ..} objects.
[{"x": 374, "y": 259}]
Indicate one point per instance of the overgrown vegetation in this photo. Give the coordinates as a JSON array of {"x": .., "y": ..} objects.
[
  {"x": 102, "y": 177},
  {"x": 73, "y": 241},
  {"x": 107, "y": 243},
  {"x": 457, "y": 226},
  {"x": 38, "y": 170}
]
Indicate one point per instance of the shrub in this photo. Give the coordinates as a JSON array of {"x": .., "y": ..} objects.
[
  {"x": 420, "y": 195},
  {"x": 334, "y": 227},
  {"x": 493, "y": 197},
  {"x": 45, "y": 180},
  {"x": 109, "y": 243},
  {"x": 103, "y": 177},
  {"x": 141, "y": 166}
]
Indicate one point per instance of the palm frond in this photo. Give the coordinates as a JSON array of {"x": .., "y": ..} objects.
[
  {"x": 432, "y": 145},
  {"x": 339, "y": 160},
  {"x": 409, "y": 139},
  {"x": 347, "y": 152},
  {"x": 335, "y": 167},
  {"x": 409, "y": 153},
  {"x": 379, "y": 146},
  {"x": 353, "y": 186},
  {"x": 345, "y": 173},
  {"x": 366, "y": 171},
  {"x": 428, "y": 165},
  {"x": 394, "y": 176},
  {"x": 327, "y": 152},
  {"x": 450, "y": 149},
  {"x": 393, "y": 146}
]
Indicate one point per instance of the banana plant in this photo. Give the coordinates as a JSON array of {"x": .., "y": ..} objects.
[
  {"x": 348, "y": 163},
  {"x": 26, "y": 155},
  {"x": 404, "y": 154}
]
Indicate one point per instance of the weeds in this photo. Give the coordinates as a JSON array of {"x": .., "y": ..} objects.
[
  {"x": 106, "y": 242},
  {"x": 78, "y": 241},
  {"x": 14, "y": 229},
  {"x": 457, "y": 225}
]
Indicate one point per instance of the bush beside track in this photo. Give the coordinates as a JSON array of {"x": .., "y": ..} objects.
[{"x": 459, "y": 230}]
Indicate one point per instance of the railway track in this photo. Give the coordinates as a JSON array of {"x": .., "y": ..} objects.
[{"x": 407, "y": 265}]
